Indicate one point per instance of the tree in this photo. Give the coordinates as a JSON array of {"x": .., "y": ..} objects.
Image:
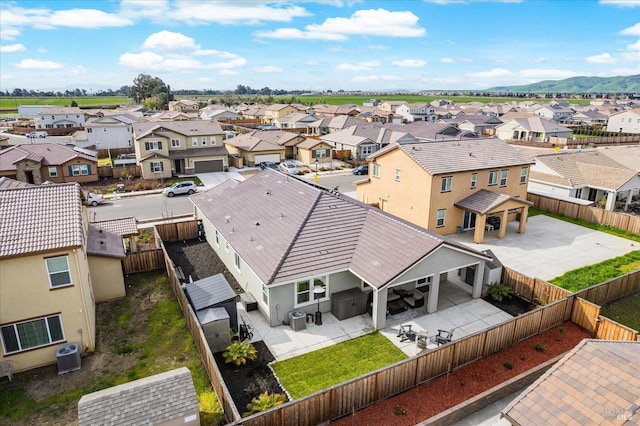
[
  {"x": 145, "y": 86},
  {"x": 74, "y": 104}
]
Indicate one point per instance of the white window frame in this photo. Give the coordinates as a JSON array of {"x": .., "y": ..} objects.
[
  {"x": 523, "y": 175},
  {"x": 493, "y": 178},
  {"x": 79, "y": 170},
  {"x": 504, "y": 176},
  {"x": 53, "y": 171},
  {"x": 376, "y": 171},
  {"x": 175, "y": 143},
  {"x": 440, "y": 218},
  {"x": 398, "y": 173},
  {"x": 14, "y": 329},
  {"x": 204, "y": 140},
  {"x": 194, "y": 141},
  {"x": 265, "y": 294},
  {"x": 213, "y": 140},
  {"x": 311, "y": 296},
  {"x": 237, "y": 262},
  {"x": 578, "y": 193},
  {"x": 153, "y": 145},
  {"x": 51, "y": 272},
  {"x": 321, "y": 153},
  {"x": 366, "y": 149},
  {"x": 474, "y": 180},
  {"x": 445, "y": 184},
  {"x": 155, "y": 168},
  {"x": 217, "y": 238}
]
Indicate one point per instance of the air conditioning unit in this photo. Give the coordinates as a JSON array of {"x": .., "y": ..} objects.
[{"x": 68, "y": 357}]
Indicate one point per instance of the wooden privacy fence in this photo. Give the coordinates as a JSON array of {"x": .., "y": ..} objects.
[
  {"x": 611, "y": 290},
  {"x": 533, "y": 289},
  {"x": 118, "y": 172},
  {"x": 176, "y": 231},
  {"x": 623, "y": 221},
  {"x": 587, "y": 315},
  {"x": 342, "y": 399},
  {"x": 224, "y": 397},
  {"x": 596, "y": 140},
  {"x": 142, "y": 261}
]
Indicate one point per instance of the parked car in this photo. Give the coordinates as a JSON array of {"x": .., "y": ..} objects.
[
  {"x": 94, "y": 199},
  {"x": 289, "y": 167},
  {"x": 37, "y": 135},
  {"x": 178, "y": 188},
  {"x": 268, "y": 165},
  {"x": 361, "y": 170}
]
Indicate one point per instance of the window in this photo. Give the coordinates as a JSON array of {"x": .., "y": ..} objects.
[
  {"x": 474, "y": 180},
  {"x": 58, "y": 270},
  {"x": 320, "y": 153},
  {"x": 579, "y": 193},
  {"x": 226, "y": 246},
  {"x": 237, "y": 260},
  {"x": 89, "y": 130},
  {"x": 53, "y": 171},
  {"x": 397, "y": 174},
  {"x": 523, "y": 174},
  {"x": 175, "y": 143},
  {"x": 30, "y": 334},
  {"x": 367, "y": 149},
  {"x": 440, "y": 218},
  {"x": 265, "y": 294},
  {"x": 422, "y": 282},
  {"x": 213, "y": 140},
  {"x": 157, "y": 167},
  {"x": 376, "y": 170},
  {"x": 445, "y": 185},
  {"x": 503, "y": 177},
  {"x": 194, "y": 141},
  {"x": 217, "y": 238},
  {"x": 79, "y": 170},
  {"x": 153, "y": 145},
  {"x": 493, "y": 178},
  {"x": 305, "y": 293},
  {"x": 204, "y": 140}
]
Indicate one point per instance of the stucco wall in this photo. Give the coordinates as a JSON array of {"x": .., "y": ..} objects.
[{"x": 107, "y": 278}]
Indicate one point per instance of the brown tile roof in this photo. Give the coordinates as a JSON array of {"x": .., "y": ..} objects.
[
  {"x": 124, "y": 227},
  {"x": 285, "y": 229},
  {"x": 101, "y": 242},
  {"x": 50, "y": 154},
  {"x": 598, "y": 382},
  {"x": 309, "y": 143},
  {"x": 186, "y": 128},
  {"x": 194, "y": 153},
  {"x": 457, "y": 156},
  {"x": 40, "y": 218},
  {"x": 8, "y": 183},
  {"x": 484, "y": 201},
  {"x": 590, "y": 168}
]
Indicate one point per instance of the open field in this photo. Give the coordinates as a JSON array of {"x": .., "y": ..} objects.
[{"x": 10, "y": 103}]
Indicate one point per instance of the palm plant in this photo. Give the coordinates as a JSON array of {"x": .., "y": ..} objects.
[
  {"x": 264, "y": 402},
  {"x": 238, "y": 353}
]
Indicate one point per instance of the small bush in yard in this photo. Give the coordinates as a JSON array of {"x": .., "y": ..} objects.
[
  {"x": 540, "y": 347},
  {"x": 264, "y": 402},
  {"x": 508, "y": 365},
  {"x": 500, "y": 291},
  {"x": 238, "y": 353},
  {"x": 399, "y": 411}
]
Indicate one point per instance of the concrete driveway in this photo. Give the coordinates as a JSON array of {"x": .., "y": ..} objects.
[
  {"x": 549, "y": 247},
  {"x": 212, "y": 179}
]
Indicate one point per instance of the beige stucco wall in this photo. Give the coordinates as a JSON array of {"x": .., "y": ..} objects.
[
  {"x": 107, "y": 278},
  {"x": 148, "y": 174},
  {"x": 306, "y": 155},
  {"x": 26, "y": 294}
]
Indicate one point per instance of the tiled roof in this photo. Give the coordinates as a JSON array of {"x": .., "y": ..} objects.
[
  {"x": 537, "y": 124},
  {"x": 125, "y": 227},
  {"x": 153, "y": 400},
  {"x": 60, "y": 110},
  {"x": 590, "y": 168},
  {"x": 484, "y": 201},
  {"x": 597, "y": 383},
  {"x": 457, "y": 156},
  {"x": 309, "y": 143},
  {"x": 8, "y": 183},
  {"x": 50, "y": 154},
  {"x": 40, "y": 218},
  {"x": 428, "y": 130},
  {"x": 195, "y": 153},
  {"x": 186, "y": 128},
  {"x": 286, "y": 229},
  {"x": 101, "y": 242}
]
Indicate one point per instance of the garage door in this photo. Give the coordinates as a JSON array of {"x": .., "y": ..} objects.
[
  {"x": 274, "y": 158},
  {"x": 209, "y": 166}
]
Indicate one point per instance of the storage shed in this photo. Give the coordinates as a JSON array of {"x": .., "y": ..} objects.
[{"x": 214, "y": 301}]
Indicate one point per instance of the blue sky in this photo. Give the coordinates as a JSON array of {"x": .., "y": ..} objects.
[{"x": 314, "y": 45}]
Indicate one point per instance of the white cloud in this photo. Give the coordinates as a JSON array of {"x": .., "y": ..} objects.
[
  {"x": 377, "y": 47},
  {"x": 632, "y": 31},
  {"x": 235, "y": 12},
  {"x": 205, "y": 80},
  {"x": 8, "y": 33},
  {"x": 410, "y": 63},
  {"x": 447, "y": 60},
  {"x": 12, "y": 48},
  {"x": 139, "y": 9},
  {"x": 370, "y": 78},
  {"x": 603, "y": 58},
  {"x": 494, "y": 73},
  {"x": 373, "y": 22},
  {"x": 621, "y": 3},
  {"x": 267, "y": 69},
  {"x": 142, "y": 61},
  {"x": 150, "y": 61},
  {"x": 444, "y": 2},
  {"x": 633, "y": 52},
  {"x": 213, "y": 52},
  {"x": 228, "y": 72},
  {"x": 358, "y": 66},
  {"x": 168, "y": 41},
  {"x": 87, "y": 18},
  {"x": 42, "y": 50},
  {"x": 38, "y": 65}
]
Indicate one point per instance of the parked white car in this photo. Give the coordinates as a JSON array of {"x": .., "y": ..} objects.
[
  {"x": 289, "y": 167},
  {"x": 94, "y": 199},
  {"x": 178, "y": 188}
]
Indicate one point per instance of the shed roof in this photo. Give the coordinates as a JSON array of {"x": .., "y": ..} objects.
[
  {"x": 125, "y": 227},
  {"x": 209, "y": 291}
]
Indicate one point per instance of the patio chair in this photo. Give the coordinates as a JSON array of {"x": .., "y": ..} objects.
[
  {"x": 405, "y": 333},
  {"x": 443, "y": 336},
  {"x": 5, "y": 370}
]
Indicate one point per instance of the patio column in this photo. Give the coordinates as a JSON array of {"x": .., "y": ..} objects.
[
  {"x": 477, "y": 281},
  {"x": 478, "y": 233},
  {"x": 524, "y": 214},
  {"x": 503, "y": 223},
  {"x": 611, "y": 200},
  {"x": 432, "y": 301},
  {"x": 629, "y": 199},
  {"x": 379, "y": 309}
]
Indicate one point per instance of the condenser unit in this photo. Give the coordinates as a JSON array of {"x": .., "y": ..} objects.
[{"x": 68, "y": 357}]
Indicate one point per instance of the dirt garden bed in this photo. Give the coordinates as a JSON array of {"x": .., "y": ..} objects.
[{"x": 514, "y": 305}]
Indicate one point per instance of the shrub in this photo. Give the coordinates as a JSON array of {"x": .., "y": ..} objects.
[
  {"x": 508, "y": 365},
  {"x": 500, "y": 291},
  {"x": 264, "y": 402},
  {"x": 399, "y": 411},
  {"x": 560, "y": 330},
  {"x": 540, "y": 347},
  {"x": 238, "y": 353}
]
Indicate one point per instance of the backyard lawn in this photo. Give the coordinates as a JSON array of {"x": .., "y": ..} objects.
[
  {"x": 317, "y": 370},
  {"x": 625, "y": 311}
]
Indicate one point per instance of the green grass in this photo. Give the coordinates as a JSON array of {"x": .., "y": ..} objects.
[
  {"x": 11, "y": 103},
  {"x": 169, "y": 345},
  {"x": 581, "y": 278},
  {"x": 317, "y": 370},
  {"x": 625, "y": 311}
]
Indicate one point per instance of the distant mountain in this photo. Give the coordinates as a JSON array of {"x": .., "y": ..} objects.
[{"x": 622, "y": 84}]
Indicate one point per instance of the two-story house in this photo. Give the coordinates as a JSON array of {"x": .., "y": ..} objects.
[
  {"x": 554, "y": 113},
  {"x": 47, "y": 287},
  {"x": 420, "y": 111},
  {"x": 627, "y": 121},
  {"x": 450, "y": 186},
  {"x": 111, "y": 131},
  {"x": 42, "y": 162},
  {"x": 277, "y": 111},
  {"x": 59, "y": 118},
  {"x": 173, "y": 147}
]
